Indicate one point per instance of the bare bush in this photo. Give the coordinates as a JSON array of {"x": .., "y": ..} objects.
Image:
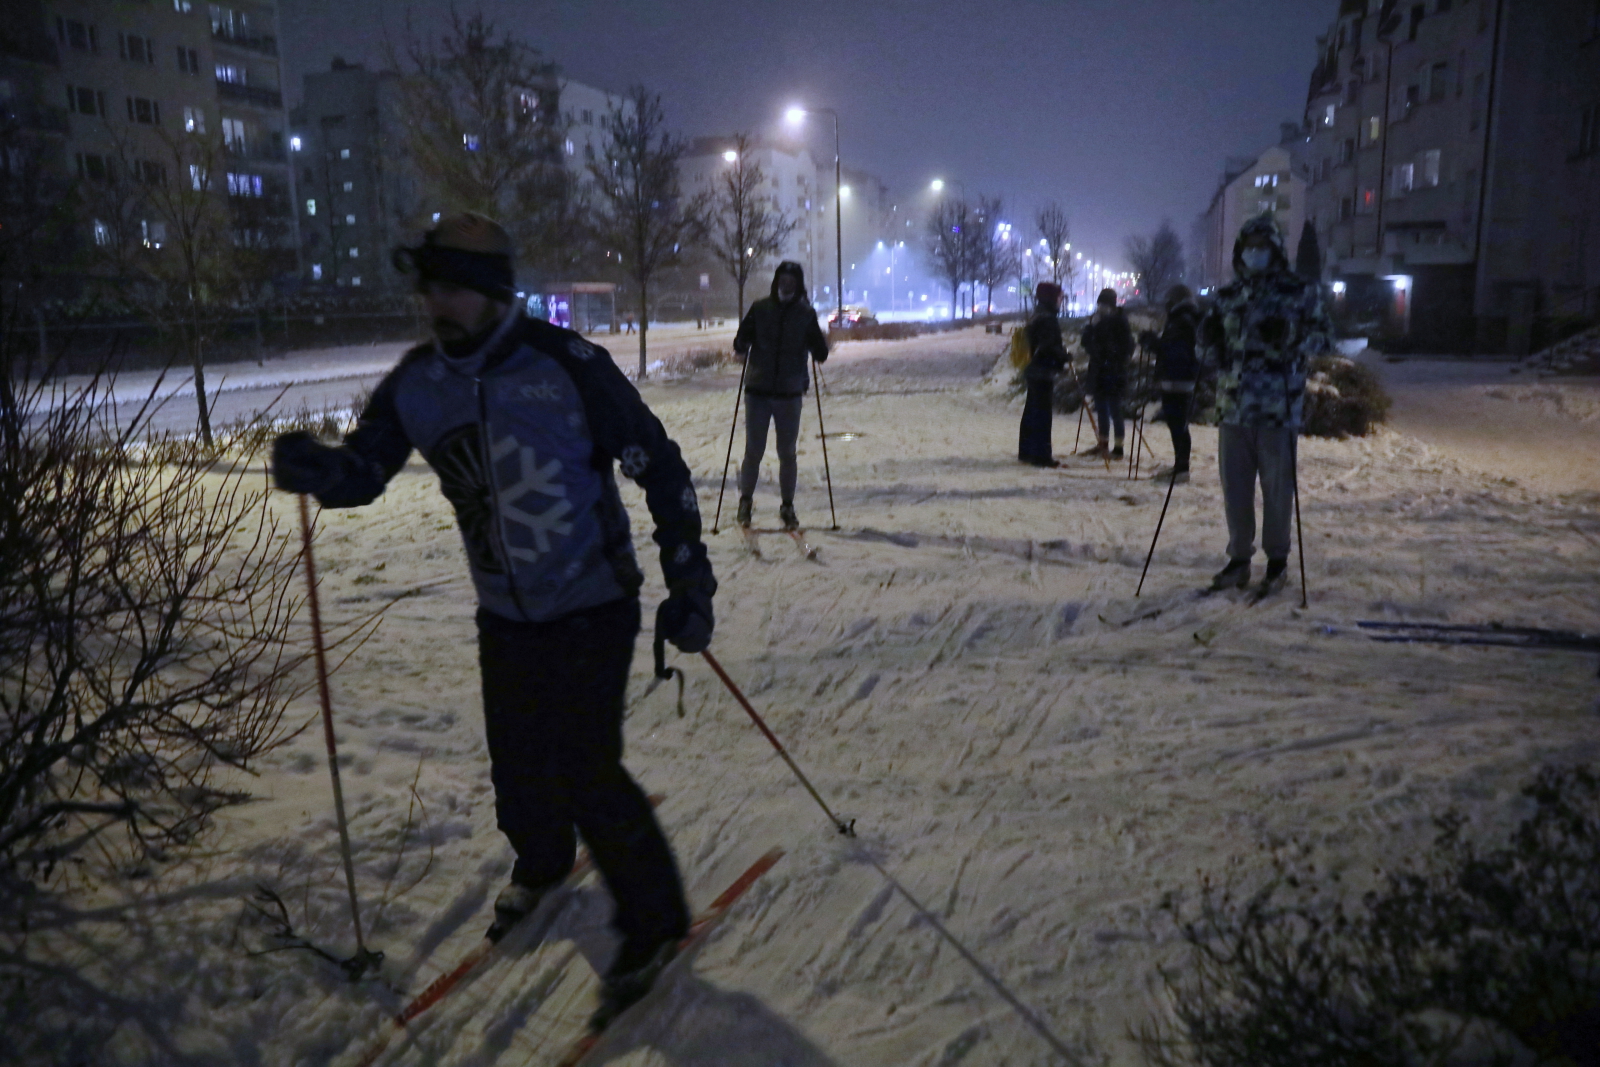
[
  {"x": 144, "y": 613},
  {"x": 1468, "y": 956}
]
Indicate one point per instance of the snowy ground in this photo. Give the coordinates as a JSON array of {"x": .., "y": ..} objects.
[{"x": 1034, "y": 774}]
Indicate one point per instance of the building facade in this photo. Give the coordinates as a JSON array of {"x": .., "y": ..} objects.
[
  {"x": 144, "y": 99},
  {"x": 1451, "y": 157},
  {"x": 1271, "y": 183}
]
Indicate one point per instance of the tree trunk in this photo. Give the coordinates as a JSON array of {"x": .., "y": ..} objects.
[
  {"x": 741, "y": 300},
  {"x": 198, "y": 360},
  {"x": 644, "y": 325}
]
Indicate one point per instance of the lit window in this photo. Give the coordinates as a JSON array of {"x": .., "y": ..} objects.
[
  {"x": 182, "y": 7},
  {"x": 356, "y": 280},
  {"x": 194, "y": 120},
  {"x": 1329, "y": 114},
  {"x": 349, "y": 220},
  {"x": 294, "y": 144},
  {"x": 1374, "y": 128},
  {"x": 436, "y": 216},
  {"x": 311, "y": 206},
  {"x": 197, "y": 176},
  {"x": 469, "y": 141},
  {"x": 355, "y": 253},
  {"x": 153, "y": 233},
  {"x": 344, "y": 153},
  {"x": 349, "y": 187},
  {"x": 102, "y": 233},
  {"x": 1430, "y": 168},
  {"x": 316, "y": 272},
  {"x": 571, "y": 149}
]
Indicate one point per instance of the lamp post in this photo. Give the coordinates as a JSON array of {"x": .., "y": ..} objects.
[
  {"x": 937, "y": 185},
  {"x": 796, "y": 116}
]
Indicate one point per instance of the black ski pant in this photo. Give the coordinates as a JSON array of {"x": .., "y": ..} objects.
[
  {"x": 1175, "y": 413},
  {"x": 1108, "y": 412},
  {"x": 553, "y": 697},
  {"x": 784, "y": 413},
  {"x": 1038, "y": 412}
]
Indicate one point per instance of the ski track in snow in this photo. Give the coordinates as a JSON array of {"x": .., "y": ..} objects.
[{"x": 1036, "y": 776}]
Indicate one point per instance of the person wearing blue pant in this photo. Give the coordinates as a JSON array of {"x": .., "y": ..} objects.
[{"x": 1108, "y": 338}]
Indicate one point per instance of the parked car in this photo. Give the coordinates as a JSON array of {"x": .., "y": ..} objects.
[{"x": 850, "y": 317}]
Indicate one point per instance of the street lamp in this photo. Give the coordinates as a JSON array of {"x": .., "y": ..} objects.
[
  {"x": 731, "y": 156},
  {"x": 796, "y": 116}
]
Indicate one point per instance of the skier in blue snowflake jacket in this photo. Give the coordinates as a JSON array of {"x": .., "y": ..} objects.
[{"x": 523, "y": 421}]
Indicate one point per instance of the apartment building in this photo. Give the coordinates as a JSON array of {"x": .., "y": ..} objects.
[
  {"x": 1271, "y": 183},
  {"x": 1451, "y": 166},
  {"x": 361, "y": 196},
  {"x": 150, "y": 93}
]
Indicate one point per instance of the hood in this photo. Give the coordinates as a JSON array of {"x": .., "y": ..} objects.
[
  {"x": 1266, "y": 224},
  {"x": 793, "y": 269}
]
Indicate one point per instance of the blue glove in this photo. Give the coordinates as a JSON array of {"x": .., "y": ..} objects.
[
  {"x": 685, "y": 618},
  {"x": 302, "y": 464}
]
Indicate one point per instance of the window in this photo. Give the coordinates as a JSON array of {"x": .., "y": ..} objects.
[
  {"x": 144, "y": 112},
  {"x": 183, "y": 7},
  {"x": 1444, "y": 5},
  {"x": 1374, "y": 129},
  {"x": 1430, "y": 168},
  {"x": 1438, "y": 82},
  {"x": 1369, "y": 200},
  {"x": 1589, "y": 131},
  {"x": 1352, "y": 91},
  {"x": 93, "y": 167},
  {"x": 226, "y": 22},
  {"x": 86, "y": 101},
  {"x": 1347, "y": 150},
  {"x": 136, "y": 49},
  {"x": 1418, "y": 13},
  {"x": 1346, "y": 208},
  {"x": 77, "y": 35},
  {"x": 355, "y": 253},
  {"x": 102, "y": 233},
  {"x": 1266, "y": 181},
  {"x": 244, "y": 184},
  {"x": 188, "y": 60},
  {"x": 311, "y": 206},
  {"x": 233, "y": 135},
  {"x": 149, "y": 172},
  {"x": 1413, "y": 97},
  {"x": 588, "y": 153},
  {"x": 1402, "y": 180},
  {"x": 153, "y": 232},
  {"x": 344, "y": 153},
  {"x": 469, "y": 141},
  {"x": 316, "y": 272},
  {"x": 571, "y": 149},
  {"x": 198, "y": 178},
  {"x": 588, "y": 118},
  {"x": 1329, "y": 114},
  {"x": 349, "y": 220},
  {"x": 230, "y": 74},
  {"x": 194, "y": 120},
  {"x": 349, "y": 187},
  {"x": 355, "y": 280}
]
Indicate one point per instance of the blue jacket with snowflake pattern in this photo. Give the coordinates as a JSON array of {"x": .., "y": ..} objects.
[{"x": 523, "y": 434}]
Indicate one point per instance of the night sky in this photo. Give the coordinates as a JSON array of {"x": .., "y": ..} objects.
[{"x": 1124, "y": 110}]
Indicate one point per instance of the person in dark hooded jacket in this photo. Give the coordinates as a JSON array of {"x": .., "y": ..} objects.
[
  {"x": 777, "y": 338},
  {"x": 1109, "y": 341},
  {"x": 1177, "y": 369},
  {"x": 1047, "y": 356}
]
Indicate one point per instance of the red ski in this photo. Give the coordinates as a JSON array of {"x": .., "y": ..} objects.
[
  {"x": 449, "y": 980},
  {"x": 699, "y": 930}
]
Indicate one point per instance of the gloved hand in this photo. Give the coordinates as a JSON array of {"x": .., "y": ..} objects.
[
  {"x": 302, "y": 464},
  {"x": 685, "y": 618}
]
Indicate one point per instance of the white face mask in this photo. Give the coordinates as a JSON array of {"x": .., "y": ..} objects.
[{"x": 1257, "y": 259}]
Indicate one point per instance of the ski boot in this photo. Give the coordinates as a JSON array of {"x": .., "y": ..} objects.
[
  {"x": 515, "y": 903},
  {"x": 622, "y": 989},
  {"x": 786, "y": 516},
  {"x": 1171, "y": 474},
  {"x": 1116, "y": 452},
  {"x": 1236, "y": 575},
  {"x": 1276, "y": 578},
  {"x": 1099, "y": 451},
  {"x": 746, "y": 507}
]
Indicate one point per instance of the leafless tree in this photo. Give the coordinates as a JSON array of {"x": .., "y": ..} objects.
[
  {"x": 642, "y": 213},
  {"x": 745, "y": 225},
  {"x": 950, "y": 245},
  {"x": 1056, "y": 230},
  {"x": 997, "y": 255},
  {"x": 1158, "y": 260},
  {"x": 484, "y": 126}
]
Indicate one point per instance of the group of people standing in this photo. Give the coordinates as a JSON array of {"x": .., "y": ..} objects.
[{"x": 1257, "y": 338}]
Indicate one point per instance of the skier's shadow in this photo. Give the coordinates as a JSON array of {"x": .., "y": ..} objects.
[{"x": 686, "y": 1019}]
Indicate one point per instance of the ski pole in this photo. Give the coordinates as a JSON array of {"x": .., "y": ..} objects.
[
  {"x": 738, "y": 398},
  {"x": 1165, "y": 504},
  {"x": 848, "y": 829},
  {"x": 1299, "y": 531},
  {"x": 364, "y": 958},
  {"x": 823, "y": 432}
]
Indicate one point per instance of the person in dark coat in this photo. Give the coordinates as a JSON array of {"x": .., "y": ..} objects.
[
  {"x": 1177, "y": 368},
  {"x": 778, "y": 337},
  {"x": 1047, "y": 356},
  {"x": 1109, "y": 341},
  {"x": 525, "y": 424}
]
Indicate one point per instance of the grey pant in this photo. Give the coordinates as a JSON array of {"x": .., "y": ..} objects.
[
  {"x": 758, "y": 412},
  {"x": 1244, "y": 454}
]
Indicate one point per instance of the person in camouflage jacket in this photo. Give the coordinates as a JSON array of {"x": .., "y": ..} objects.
[{"x": 1260, "y": 335}]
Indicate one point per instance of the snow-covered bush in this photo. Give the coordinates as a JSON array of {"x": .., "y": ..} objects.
[
  {"x": 1465, "y": 957},
  {"x": 1343, "y": 399}
]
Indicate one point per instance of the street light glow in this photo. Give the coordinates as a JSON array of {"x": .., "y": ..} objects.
[
  {"x": 731, "y": 156},
  {"x": 938, "y": 185},
  {"x": 844, "y": 190},
  {"x": 795, "y": 115}
]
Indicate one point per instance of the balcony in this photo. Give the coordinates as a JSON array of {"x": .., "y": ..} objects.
[
  {"x": 34, "y": 119},
  {"x": 250, "y": 94},
  {"x": 256, "y": 153},
  {"x": 264, "y": 45}
]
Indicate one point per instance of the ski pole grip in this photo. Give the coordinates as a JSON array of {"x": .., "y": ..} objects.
[{"x": 664, "y": 672}]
